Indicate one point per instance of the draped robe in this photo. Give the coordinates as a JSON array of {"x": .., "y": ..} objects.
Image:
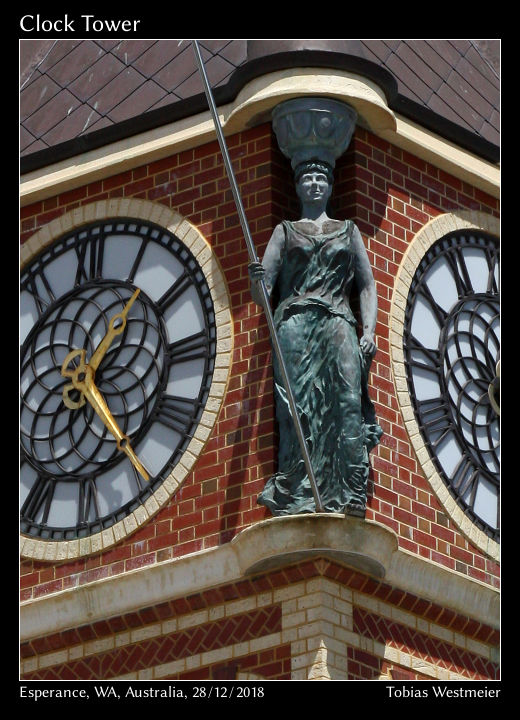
[{"x": 328, "y": 373}]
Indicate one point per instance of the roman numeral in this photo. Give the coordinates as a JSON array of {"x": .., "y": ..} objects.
[
  {"x": 88, "y": 501},
  {"x": 175, "y": 291},
  {"x": 437, "y": 310},
  {"x": 423, "y": 357},
  {"x": 137, "y": 262},
  {"x": 90, "y": 259},
  {"x": 192, "y": 347},
  {"x": 460, "y": 272},
  {"x": 464, "y": 478},
  {"x": 492, "y": 258},
  {"x": 39, "y": 499},
  {"x": 138, "y": 477},
  {"x": 435, "y": 419},
  {"x": 176, "y": 412},
  {"x": 42, "y": 303}
]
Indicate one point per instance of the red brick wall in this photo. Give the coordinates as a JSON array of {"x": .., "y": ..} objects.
[{"x": 390, "y": 194}]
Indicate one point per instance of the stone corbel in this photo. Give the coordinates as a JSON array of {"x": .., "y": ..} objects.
[
  {"x": 258, "y": 97},
  {"x": 278, "y": 541}
]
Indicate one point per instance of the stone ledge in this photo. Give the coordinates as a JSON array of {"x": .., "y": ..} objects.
[
  {"x": 258, "y": 97},
  {"x": 365, "y": 545},
  {"x": 362, "y": 544}
]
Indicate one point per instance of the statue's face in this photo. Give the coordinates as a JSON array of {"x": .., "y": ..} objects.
[{"x": 313, "y": 187}]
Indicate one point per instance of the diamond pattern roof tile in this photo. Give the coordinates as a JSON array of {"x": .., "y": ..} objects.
[{"x": 71, "y": 88}]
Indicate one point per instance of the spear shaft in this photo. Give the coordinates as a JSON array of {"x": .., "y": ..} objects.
[{"x": 263, "y": 290}]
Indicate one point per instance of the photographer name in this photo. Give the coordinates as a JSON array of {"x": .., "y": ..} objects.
[
  {"x": 83, "y": 23},
  {"x": 441, "y": 691}
]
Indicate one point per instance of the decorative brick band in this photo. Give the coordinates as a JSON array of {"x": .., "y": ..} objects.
[
  {"x": 163, "y": 649},
  {"x": 269, "y": 664},
  {"x": 244, "y": 599},
  {"x": 363, "y": 665},
  {"x": 423, "y": 647}
]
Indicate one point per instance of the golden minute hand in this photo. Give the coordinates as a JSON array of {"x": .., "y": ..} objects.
[
  {"x": 113, "y": 331},
  {"x": 83, "y": 380}
]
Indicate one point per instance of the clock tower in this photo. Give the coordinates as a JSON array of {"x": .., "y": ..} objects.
[{"x": 148, "y": 421}]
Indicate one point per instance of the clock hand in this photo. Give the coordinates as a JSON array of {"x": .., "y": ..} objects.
[
  {"x": 112, "y": 332},
  {"x": 83, "y": 381},
  {"x": 494, "y": 390},
  {"x": 99, "y": 352}
]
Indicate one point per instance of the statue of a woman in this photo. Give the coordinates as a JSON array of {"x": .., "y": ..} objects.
[{"x": 314, "y": 264}]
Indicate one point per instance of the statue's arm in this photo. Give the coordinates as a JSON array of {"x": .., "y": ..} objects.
[
  {"x": 269, "y": 268},
  {"x": 367, "y": 294}
]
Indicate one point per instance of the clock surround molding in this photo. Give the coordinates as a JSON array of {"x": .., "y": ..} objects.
[
  {"x": 190, "y": 236},
  {"x": 435, "y": 229}
]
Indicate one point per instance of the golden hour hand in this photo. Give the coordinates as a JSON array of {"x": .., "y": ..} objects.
[
  {"x": 82, "y": 377},
  {"x": 83, "y": 381},
  {"x": 99, "y": 352}
]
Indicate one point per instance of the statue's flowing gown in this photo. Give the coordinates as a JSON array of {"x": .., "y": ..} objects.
[{"x": 328, "y": 375}]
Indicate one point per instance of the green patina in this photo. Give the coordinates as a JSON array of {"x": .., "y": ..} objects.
[{"x": 313, "y": 265}]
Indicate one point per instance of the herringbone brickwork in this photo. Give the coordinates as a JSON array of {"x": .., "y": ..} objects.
[
  {"x": 271, "y": 664},
  {"x": 167, "y": 648},
  {"x": 419, "y": 645},
  {"x": 216, "y": 633}
]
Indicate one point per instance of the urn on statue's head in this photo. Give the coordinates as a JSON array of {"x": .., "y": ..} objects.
[{"x": 313, "y": 128}]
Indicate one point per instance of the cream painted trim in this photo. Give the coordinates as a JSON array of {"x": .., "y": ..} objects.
[
  {"x": 425, "y": 238},
  {"x": 154, "y": 212},
  {"x": 116, "y": 157},
  {"x": 445, "y": 155},
  {"x": 229, "y": 563},
  {"x": 252, "y": 106}
]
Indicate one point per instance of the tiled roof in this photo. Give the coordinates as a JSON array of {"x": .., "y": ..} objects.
[
  {"x": 71, "y": 89},
  {"x": 451, "y": 77}
]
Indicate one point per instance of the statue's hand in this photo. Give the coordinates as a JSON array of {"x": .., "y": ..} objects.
[
  {"x": 256, "y": 271},
  {"x": 256, "y": 275},
  {"x": 368, "y": 345}
]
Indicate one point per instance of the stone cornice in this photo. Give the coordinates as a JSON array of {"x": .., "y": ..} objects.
[{"x": 367, "y": 546}]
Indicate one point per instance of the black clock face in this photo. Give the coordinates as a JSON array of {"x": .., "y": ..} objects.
[
  {"x": 452, "y": 348},
  {"x": 153, "y": 376}
]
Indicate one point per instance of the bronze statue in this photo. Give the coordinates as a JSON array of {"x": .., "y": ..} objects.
[{"x": 314, "y": 263}]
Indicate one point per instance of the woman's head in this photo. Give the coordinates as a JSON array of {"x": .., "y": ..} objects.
[
  {"x": 313, "y": 183},
  {"x": 313, "y": 166}
]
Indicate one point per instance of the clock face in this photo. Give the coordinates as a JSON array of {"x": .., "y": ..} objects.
[
  {"x": 452, "y": 348},
  {"x": 118, "y": 344}
]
